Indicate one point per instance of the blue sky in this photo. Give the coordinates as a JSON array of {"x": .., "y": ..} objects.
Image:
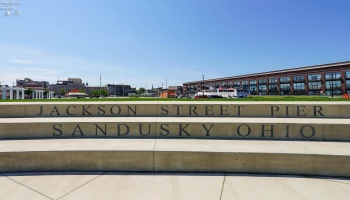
[{"x": 145, "y": 42}]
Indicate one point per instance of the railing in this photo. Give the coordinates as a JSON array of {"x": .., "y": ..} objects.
[
  {"x": 314, "y": 79},
  {"x": 315, "y": 87},
  {"x": 334, "y": 87},
  {"x": 298, "y": 88},
  {"x": 285, "y": 88},
  {"x": 298, "y": 80},
  {"x": 332, "y": 78}
]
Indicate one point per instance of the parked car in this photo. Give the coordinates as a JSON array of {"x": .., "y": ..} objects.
[
  {"x": 215, "y": 96},
  {"x": 200, "y": 96}
]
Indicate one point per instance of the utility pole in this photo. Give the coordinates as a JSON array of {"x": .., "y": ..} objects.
[{"x": 100, "y": 79}]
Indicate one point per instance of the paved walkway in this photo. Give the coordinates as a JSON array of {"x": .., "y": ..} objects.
[{"x": 103, "y": 185}]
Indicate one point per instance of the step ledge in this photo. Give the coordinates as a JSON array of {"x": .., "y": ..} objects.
[
  {"x": 178, "y": 145},
  {"x": 203, "y": 120},
  {"x": 271, "y": 157}
]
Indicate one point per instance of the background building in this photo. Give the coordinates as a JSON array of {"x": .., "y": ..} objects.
[
  {"x": 119, "y": 90},
  {"x": 89, "y": 89},
  {"x": 178, "y": 90},
  {"x": 67, "y": 85},
  {"x": 29, "y": 83},
  {"x": 333, "y": 78}
]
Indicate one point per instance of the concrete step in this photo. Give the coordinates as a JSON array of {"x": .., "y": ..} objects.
[
  {"x": 176, "y": 109},
  {"x": 176, "y": 155},
  {"x": 177, "y": 127}
]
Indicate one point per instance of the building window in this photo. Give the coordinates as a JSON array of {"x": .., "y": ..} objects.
[
  {"x": 272, "y": 87},
  {"x": 332, "y": 76},
  {"x": 347, "y": 84},
  {"x": 285, "y": 86},
  {"x": 244, "y": 82},
  {"x": 314, "y": 92},
  {"x": 262, "y": 93},
  {"x": 285, "y": 79},
  {"x": 314, "y": 77},
  {"x": 298, "y": 78},
  {"x": 237, "y": 83},
  {"x": 314, "y": 85},
  {"x": 298, "y": 86},
  {"x": 347, "y": 74},
  {"x": 245, "y": 87},
  {"x": 252, "y": 82},
  {"x": 272, "y": 80},
  {"x": 262, "y": 88},
  {"x": 252, "y": 88},
  {"x": 335, "y": 84},
  {"x": 230, "y": 84},
  {"x": 262, "y": 81},
  {"x": 335, "y": 92}
]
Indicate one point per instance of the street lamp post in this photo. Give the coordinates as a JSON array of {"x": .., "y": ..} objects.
[{"x": 203, "y": 84}]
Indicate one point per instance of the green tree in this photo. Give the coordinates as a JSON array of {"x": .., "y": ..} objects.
[
  {"x": 103, "y": 92},
  {"x": 94, "y": 93},
  {"x": 62, "y": 92},
  {"x": 45, "y": 92},
  {"x": 137, "y": 92},
  {"x": 142, "y": 90},
  {"x": 29, "y": 92}
]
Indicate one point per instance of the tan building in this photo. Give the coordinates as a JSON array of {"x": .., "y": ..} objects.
[{"x": 67, "y": 85}]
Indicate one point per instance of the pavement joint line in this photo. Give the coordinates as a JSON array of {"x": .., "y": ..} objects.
[
  {"x": 26, "y": 186},
  {"x": 336, "y": 181},
  {"x": 154, "y": 150},
  {"x": 327, "y": 179},
  {"x": 223, "y": 184},
  {"x": 82, "y": 185}
]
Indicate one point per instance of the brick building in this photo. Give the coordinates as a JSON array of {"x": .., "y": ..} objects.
[{"x": 311, "y": 80}]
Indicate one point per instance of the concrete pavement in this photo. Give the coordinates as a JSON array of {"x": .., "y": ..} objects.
[{"x": 110, "y": 185}]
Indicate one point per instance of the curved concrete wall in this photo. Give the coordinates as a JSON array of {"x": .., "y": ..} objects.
[{"x": 178, "y": 109}]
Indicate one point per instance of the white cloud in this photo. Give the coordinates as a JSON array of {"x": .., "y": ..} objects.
[
  {"x": 22, "y": 62},
  {"x": 26, "y": 62}
]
